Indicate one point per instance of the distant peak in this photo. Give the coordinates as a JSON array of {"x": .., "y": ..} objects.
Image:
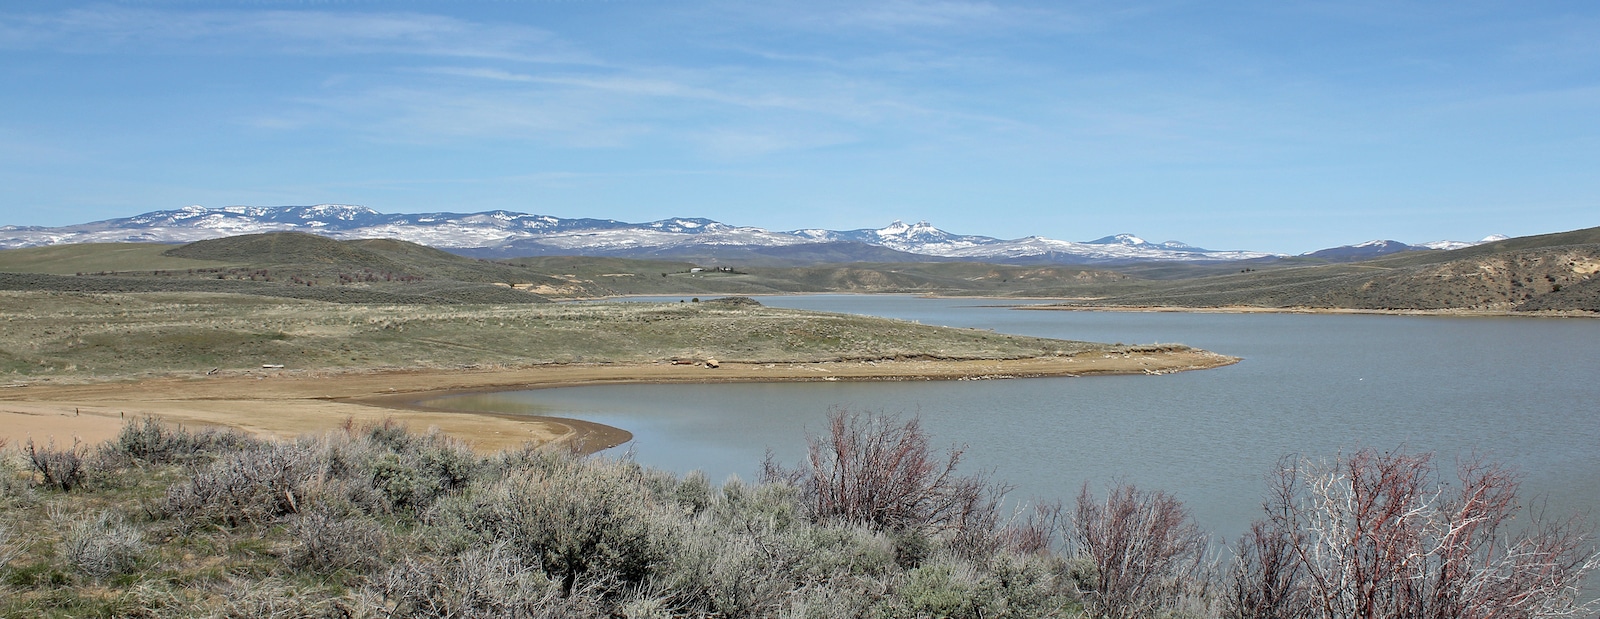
[
  {"x": 1119, "y": 239},
  {"x": 901, "y": 228},
  {"x": 1494, "y": 238},
  {"x": 343, "y": 211}
]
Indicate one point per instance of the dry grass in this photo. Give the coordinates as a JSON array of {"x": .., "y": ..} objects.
[{"x": 114, "y": 335}]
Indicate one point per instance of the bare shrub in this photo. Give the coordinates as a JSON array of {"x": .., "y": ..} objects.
[
  {"x": 1147, "y": 556},
  {"x": 327, "y": 541},
  {"x": 881, "y": 472},
  {"x": 60, "y": 469},
  {"x": 249, "y": 486},
  {"x": 101, "y": 545},
  {"x": 1033, "y": 531},
  {"x": 1378, "y": 535},
  {"x": 1268, "y": 580}
]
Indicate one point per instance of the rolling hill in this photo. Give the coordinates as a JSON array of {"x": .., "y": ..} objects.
[{"x": 1551, "y": 272}]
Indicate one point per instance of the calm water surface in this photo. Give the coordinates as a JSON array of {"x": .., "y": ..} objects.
[{"x": 1522, "y": 390}]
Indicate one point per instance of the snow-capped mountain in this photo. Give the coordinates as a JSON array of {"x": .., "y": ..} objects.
[
  {"x": 1380, "y": 247},
  {"x": 1449, "y": 245},
  {"x": 506, "y": 233}
]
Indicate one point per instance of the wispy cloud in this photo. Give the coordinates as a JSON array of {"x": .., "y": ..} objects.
[
  {"x": 908, "y": 16},
  {"x": 921, "y": 14},
  {"x": 423, "y": 116},
  {"x": 121, "y": 29},
  {"x": 722, "y": 88},
  {"x": 736, "y": 143}
]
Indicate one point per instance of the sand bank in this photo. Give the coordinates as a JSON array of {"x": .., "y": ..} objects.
[{"x": 287, "y": 403}]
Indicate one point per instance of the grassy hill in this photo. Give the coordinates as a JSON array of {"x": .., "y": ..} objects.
[
  {"x": 117, "y": 334},
  {"x": 1544, "y": 272},
  {"x": 98, "y": 257},
  {"x": 282, "y": 264},
  {"x": 632, "y": 276}
]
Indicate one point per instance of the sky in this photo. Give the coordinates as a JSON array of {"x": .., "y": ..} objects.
[{"x": 1283, "y": 126}]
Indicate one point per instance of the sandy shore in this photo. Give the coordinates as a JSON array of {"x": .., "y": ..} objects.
[{"x": 290, "y": 403}]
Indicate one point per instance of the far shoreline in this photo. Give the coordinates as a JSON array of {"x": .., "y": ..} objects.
[
  {"x": 293, "y": 403},
  {"x": 1252, "y": 309},
  {"x": 1062, "y": 304}
]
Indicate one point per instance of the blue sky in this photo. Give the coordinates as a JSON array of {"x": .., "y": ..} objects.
[{"x": 1279, "y": 126}]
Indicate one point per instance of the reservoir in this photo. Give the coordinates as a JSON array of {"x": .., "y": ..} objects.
[{"x": 1525, "y": 391}]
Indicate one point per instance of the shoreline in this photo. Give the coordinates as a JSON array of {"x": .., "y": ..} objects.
[
  {"x": 1225, "y": 309},
  {"x": 1251, "y": 309},
  {"x": 291, "y": 403}
]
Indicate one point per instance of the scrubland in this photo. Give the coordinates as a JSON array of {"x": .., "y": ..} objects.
[{"x": 377, "y": 521}]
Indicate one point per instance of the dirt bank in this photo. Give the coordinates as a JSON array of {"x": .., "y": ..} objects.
[{"x": 289, "y": 403}]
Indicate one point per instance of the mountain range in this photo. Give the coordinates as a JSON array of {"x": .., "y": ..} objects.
[{"x": 502, "y": 234}]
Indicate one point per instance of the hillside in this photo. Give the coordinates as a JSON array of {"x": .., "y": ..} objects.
[
  {"x": 117, "y": 334},
  {"x": 621, "y": 276},
  {"x": 280, "y": 264},
  {"x": 1552, "y": 272},
  {"x": 97, "y": 257}
]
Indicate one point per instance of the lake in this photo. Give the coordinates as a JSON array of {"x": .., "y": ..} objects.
[{"x": 1521, "y": 390}]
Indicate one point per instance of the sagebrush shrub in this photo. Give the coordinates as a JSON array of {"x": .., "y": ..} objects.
[
  {"x": 153, "y": 441},
  {"x": 488, "y": 582},
  {"x": 273, "y": 598},
  {"x": 15, "y": 476},
  {"x": 150, "y": 440},
  {"x": 10, "y": 546},
  {"x": 257, "y": 485},
  {"x": 101, "y": 545},
  {"x": 327, "y": 540},
  {"x": 588, "y": 520}
]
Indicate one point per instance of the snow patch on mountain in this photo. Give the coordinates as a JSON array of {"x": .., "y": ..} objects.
[{"x": 493, "y": 229}]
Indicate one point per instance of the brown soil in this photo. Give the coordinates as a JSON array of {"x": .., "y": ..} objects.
[{"x": 290, "y": 403}]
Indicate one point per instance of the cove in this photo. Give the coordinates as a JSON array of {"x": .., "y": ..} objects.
[{"x": 1520, "y": 390}]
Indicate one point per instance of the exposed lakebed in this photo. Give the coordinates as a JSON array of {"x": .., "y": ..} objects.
[{"x": 1522, "y": 390}]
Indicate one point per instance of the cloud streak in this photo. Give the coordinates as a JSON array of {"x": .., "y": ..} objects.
[{"x": 107, "y": 29}]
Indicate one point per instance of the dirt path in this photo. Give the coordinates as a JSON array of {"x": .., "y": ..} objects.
[{"x": 289, "y": 403}]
